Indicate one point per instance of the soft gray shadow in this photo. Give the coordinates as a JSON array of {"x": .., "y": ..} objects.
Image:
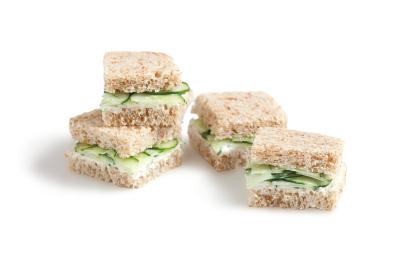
[
  {"x": 51, "y": 165},
  {"x": 230, "y": 185}
]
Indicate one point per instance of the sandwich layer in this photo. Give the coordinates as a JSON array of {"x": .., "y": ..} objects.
[
  {"x": 132, "y": 172},
  {"x": 238, "y": 113},
  {"x": 89, "y": 128},
  {"x": 290, "y": 149},
  {"x": 223, "y": 154},
  {"x": 139, "y": 72},
  {"x": 162, "y": 109},
  {"x": 266, "y": 175},
  {"x": 324, "y": 198}
]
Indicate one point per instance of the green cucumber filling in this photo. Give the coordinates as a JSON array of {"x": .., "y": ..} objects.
[
  {"x": 130, "y": 164},
  {"x": 222, "y": 146},
  {"x": 262, "y": 174},
  {"x": 172, "y": 97}
]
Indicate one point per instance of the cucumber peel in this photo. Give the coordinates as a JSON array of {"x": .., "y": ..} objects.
[{"x": 166, "y": 145}]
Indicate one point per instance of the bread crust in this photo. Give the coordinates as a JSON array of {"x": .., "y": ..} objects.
[
  {"x": 89, "y": 128},
  {"x": 139, "y": 72},
  {"x": 222, "y": 162},
  {"x": 297, "y": 150},
  {"x": 86, "y": 166},
  {"x": 297, "y": 198},
  {"x": 238, "y": 113}
]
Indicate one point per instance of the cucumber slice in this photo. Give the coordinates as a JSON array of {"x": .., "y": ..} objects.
[
  {"x": 79, "y": 147},
  {"x": 318, "y": 176},
  {"x": 201, "y": 127},
  {"x": 180, "y": 89},
  {"x": 258, "y": 169},
  {"x": 247, "y": 140},
  {"x": 128, "y": 164},
  {"x": 208, "y": 137},
  {"x": 166, "y": 145},
  {"x": 114, "y": 99},
  {"x": 142, "y": 157},
  {"x": 284, "y": 174},
  {"x": 106, "y": 155},
  {"x": 302, "y": 180},
  {"x": 106, "y": 158},
  {"x": 286, "y": 178},
  {"x": 94, "y": 151},
  {"x": 205, "y": 134},
  {"x": 253, "y": 180},
  {"x": 153, "y": 152},
  {"x": 146, "y": 99}
]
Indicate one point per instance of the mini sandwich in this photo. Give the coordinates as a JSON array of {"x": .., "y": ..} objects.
[
  {"x": 292, "y": 169},
  {"x": 226, "y": 125},
  {"x": 143, "y": 88},
  {"x": 125, "y": 156}
]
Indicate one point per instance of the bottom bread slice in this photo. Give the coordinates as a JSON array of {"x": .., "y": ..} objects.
[
  {"x": 323, "y": 198},
  {"x": 222, "y": 162},
  {"x": 101, "y": 171}
]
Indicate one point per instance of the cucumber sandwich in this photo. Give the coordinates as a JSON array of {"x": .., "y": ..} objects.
[
  {"x": 125, "y": 156},
  {"x": 293, "y": 169},
  {"x": 143, "y": 88},
  {"x": 226, "y": 125}
]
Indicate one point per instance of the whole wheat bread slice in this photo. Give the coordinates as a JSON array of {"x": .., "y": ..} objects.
[
  {"x": 139, "y": 72},
  {"x": 223, "y": 162},
  {"x": 324, "y": 199},
  {"x": 92, "y": 168},
  {"x": 89, "y": 128},
  {"x": 238, "y": 113},
  {"x": 297, "y": 150}
]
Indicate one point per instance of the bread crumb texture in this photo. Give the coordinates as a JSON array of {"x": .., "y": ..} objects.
[
  {"x": 238, "y": 113},
  {"x": 139, "y": 72},
  {"x": 157, "y": 116},
  {"x": 297, "y": 150}
]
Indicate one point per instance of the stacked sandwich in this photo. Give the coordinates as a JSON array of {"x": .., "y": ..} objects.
[{"x": 135, "y": 135}]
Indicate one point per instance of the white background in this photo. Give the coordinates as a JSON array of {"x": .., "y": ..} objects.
[{"x": 332, "y": 65}]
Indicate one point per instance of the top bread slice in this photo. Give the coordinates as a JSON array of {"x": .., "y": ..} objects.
[
  {"x": 127, "y": 141},
  {"x": 238, "y": 113},
  {"x": 128, "y": 72},
  {"x": 297, "y": 150}
]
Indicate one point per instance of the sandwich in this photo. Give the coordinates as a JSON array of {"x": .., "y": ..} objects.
[
  {"x": 293, "y": 169},
  {"x": 143, "y": 89},
  {"x": 227, "y": 122},
  {"x": 126, "y": 156}
]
